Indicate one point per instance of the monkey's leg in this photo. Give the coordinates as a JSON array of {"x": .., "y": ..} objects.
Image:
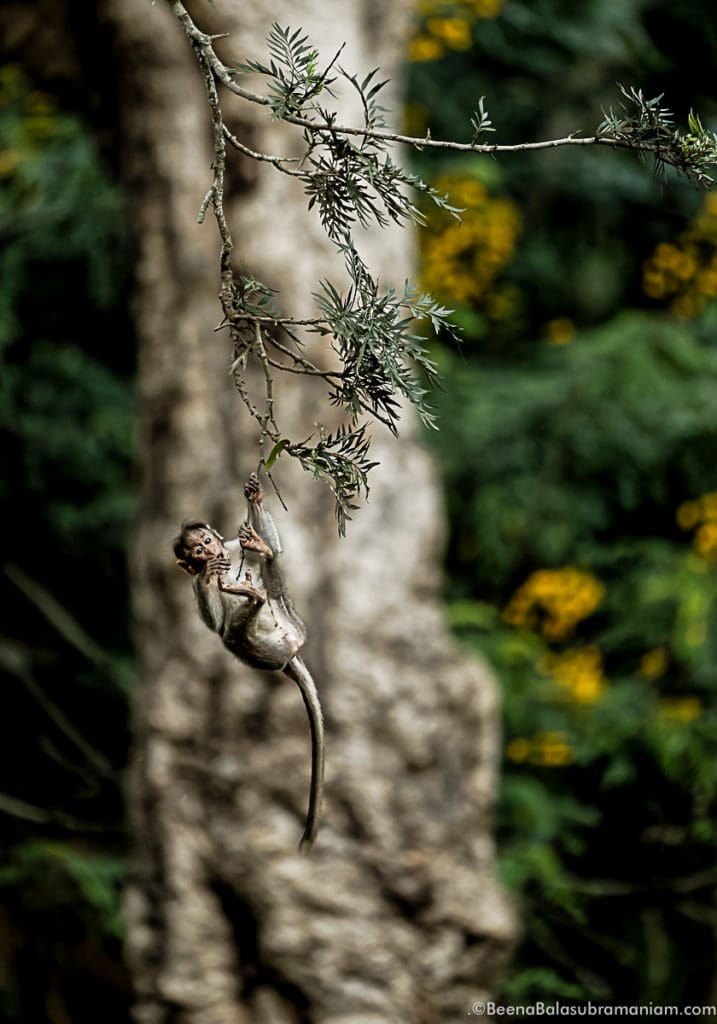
[
  {"x": 270, "y": 571},
  {"x": 263, "y": 524},
  {"x": 297, "y": 670},
  {"x": 250, "y": 539}
]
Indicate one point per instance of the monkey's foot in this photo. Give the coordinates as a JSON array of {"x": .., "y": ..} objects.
[
  {"x": 251, "y": 541},
  {"x": 252, "y": 489}
]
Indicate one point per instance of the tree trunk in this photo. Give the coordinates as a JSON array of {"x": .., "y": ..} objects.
[{"x": 397, "y": 914}]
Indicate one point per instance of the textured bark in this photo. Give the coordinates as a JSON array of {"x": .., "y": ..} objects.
[{"x": 397, "y": 914}]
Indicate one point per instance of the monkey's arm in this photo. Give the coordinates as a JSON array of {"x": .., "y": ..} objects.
[
  {"x": 297, "y": 670},
  {"x": 209, "y": 602}
]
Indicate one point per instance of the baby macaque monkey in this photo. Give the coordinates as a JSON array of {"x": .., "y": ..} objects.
[{"x": 253, "y": 614}]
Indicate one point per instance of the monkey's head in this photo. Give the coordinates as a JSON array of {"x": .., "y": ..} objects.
[{"x": 195, "y": 545}]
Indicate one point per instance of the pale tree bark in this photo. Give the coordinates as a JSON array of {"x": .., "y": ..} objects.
[{"x": 397, "y": 914}]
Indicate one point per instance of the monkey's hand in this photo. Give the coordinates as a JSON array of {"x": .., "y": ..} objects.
[
  {"x": 215, "y": 568},
  {"x": 251, "y": 541},
  {"x": 252, "y": 490}
]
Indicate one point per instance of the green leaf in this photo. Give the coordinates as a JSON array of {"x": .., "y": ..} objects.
[{"x": 275, "y": 452}]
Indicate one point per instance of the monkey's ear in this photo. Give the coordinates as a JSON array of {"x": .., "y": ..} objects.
[{"x": 186, "y": 566}]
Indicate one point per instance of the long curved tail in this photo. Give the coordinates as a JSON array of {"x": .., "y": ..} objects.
[{"x": 297, "y": 670}]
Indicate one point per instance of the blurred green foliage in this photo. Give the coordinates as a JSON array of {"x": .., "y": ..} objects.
[
  {"x": 66, "y": 422},
  {"x": 581, "y": 476}
]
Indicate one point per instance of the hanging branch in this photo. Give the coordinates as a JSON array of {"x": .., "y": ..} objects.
[{"x": 349, "y": 176}]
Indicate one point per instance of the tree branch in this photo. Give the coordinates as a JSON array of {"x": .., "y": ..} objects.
[{"x": 349, "y": 175}]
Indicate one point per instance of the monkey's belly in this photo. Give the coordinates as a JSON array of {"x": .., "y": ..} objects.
[{"x": 265, "y": 650}]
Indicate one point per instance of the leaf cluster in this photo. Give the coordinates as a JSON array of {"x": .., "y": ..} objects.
[
  {"x": 342, "y": 459},
  {"x": 352, "y": 181},
  {"x": 373, "y": 335},
  {"x": 292, "y": 73},
  {"x": 480, "y": 121},
  {"x": 647, "y": 126}
]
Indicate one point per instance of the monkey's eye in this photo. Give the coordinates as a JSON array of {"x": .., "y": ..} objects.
[
  {"x": 207, "y": 540},
  {"x": 199, "y": 550}
]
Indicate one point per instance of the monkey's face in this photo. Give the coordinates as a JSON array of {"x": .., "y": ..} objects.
[{"x": 201, "y": 546}]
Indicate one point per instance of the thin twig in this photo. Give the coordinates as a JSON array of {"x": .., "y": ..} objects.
[
  {"x": 302, "y": 370},
  {"x": 266, "y": 422},
  {"x": 204, "y": 43},
  {"x": 277, "y": 161},
  {"x": 309, "y": 367}
]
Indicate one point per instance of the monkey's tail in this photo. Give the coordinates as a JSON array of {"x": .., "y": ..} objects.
[{"x": 296, "y": 670}]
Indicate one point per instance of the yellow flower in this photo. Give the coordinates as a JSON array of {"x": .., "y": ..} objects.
[
  {"x": 518, "y": 750},
  {"x": 685, "y": 271},
  {"x": 424, "y": 48},
  {"x": 708, "y": 505},
  {"x": 461, "y": 261},
  {"x": 487, "y": 8},
  {"x": 466, "y": 191},
  {"x": 707, "y": 281},
  {"x": 551, "y": 750},
  {"x": 685, "y": 306},
  {"x": 706, "y": 540},
  {"x": 688, "y": 514},
  {"x": 666, "y": 256},
  {"x": 680, "y": 709},
  {"x": 587, "y": 689},
  {"x": 9, "y": 160},
  {"x": 653, "y": 283},
  {"x": 471, "y": 8},
  {"x": 654, "y": 663},
  {"x": 580, "y": 671},
  {"x": 454, "y": 32},
  {"x": 701, "y": 514},
  {"x": 558, "y": 598},
  {"x": 560, "y": 331},
  {"x": 547, "y": 749}
]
